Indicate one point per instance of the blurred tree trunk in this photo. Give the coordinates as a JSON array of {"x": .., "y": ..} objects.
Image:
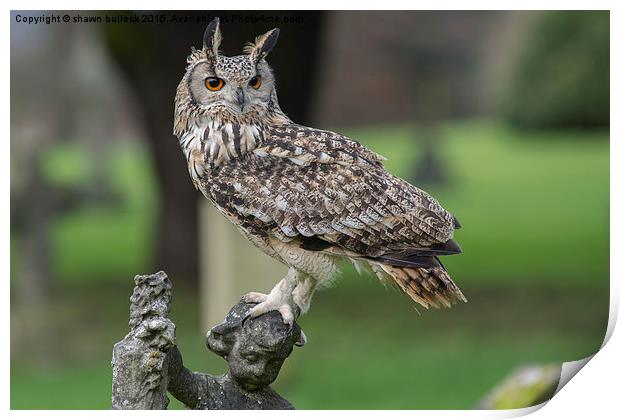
[
  {"x": 152, "y": 57},
  {"x": 34, "y": 203}
]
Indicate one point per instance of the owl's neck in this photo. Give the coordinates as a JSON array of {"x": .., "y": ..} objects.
[
  {"x": 222, "y": 136},
  {"x": 213, "y": 138},
  {"x": 210, "y": 143},
  {"x": 215, "y": 142}
]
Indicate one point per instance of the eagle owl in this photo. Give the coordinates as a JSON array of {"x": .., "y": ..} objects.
[{"x": 309, "y": 198}]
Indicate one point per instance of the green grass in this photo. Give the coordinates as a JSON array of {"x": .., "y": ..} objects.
[
  {"x": 87, "y": 239},
  {"x": 535, "y": 213},
  {"x": 375, "y": 352},
  {"x": 366, "y": 349},
  {"x": 534, "y": 206}
]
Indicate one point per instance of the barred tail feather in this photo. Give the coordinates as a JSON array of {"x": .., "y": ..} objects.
[{"x": 425, "y": 286}]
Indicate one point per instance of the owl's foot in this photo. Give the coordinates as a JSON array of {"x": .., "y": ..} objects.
[
  {"x": 280, "y": 299},
  {"x": 272, "y": 302},
  {"x": 266, "y": 303}
]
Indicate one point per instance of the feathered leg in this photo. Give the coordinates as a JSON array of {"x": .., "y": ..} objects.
[
  {"x": 302, "y": 295},
  {"x": 309, "y": 269}
]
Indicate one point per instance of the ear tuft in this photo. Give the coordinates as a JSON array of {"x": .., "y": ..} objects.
[
  {"x": 262, "y": 45},
  {"x": 212, "y": 38}
]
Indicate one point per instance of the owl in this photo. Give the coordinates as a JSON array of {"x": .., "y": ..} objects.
[{"x": 310, "y": 198}]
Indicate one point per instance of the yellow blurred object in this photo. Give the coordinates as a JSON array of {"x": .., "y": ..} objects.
[{"x": 525, "y": 387}]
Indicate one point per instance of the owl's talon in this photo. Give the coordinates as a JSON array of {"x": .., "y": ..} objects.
[
  {"x": 245, "y": 318},
  {"x": 287, "y": 316},
  {"x": 303, "y": 339}
]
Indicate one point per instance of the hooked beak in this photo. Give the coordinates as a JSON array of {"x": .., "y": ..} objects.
[{"x": 240, "y": 98}]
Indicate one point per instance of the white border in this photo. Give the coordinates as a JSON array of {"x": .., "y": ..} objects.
[{"x": 594, "y": 393}]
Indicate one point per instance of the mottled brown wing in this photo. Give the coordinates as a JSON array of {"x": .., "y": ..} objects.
[{"x": 308, "y": 183}]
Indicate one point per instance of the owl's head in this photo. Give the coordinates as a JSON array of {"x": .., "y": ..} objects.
[{"x": 232, "y": 87}]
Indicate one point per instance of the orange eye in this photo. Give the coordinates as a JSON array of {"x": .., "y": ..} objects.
[
  {"x": 214, "y": 83},
  {"x": 255, "y": 82}
]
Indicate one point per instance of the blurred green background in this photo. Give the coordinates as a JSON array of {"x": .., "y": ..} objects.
[{"x": 511, "y": 135}]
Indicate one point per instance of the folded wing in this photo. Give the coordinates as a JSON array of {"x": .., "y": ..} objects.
[{"x": 328, "y": 191}]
